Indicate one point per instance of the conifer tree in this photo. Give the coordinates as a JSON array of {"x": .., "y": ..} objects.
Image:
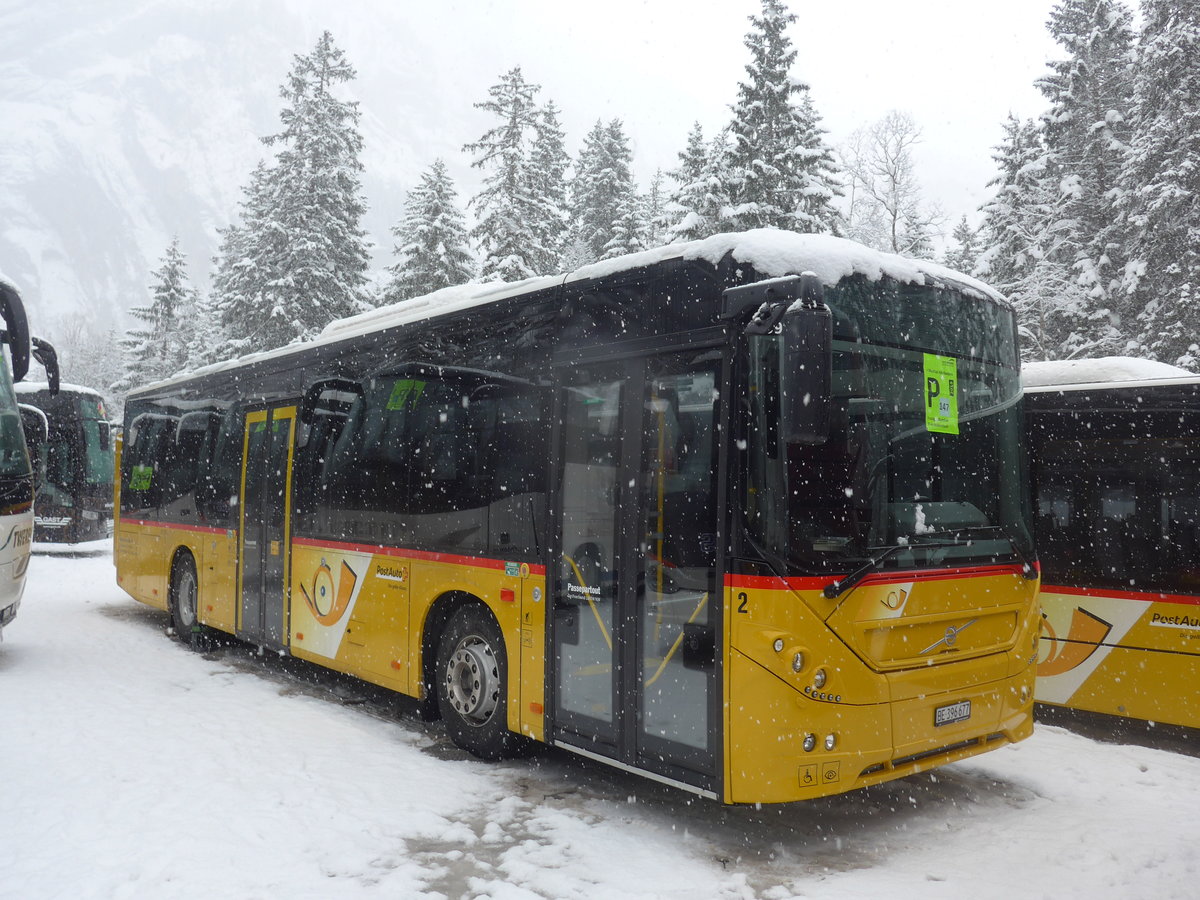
[
  {"x": 1161, "y": 184},
  {"x": 159, "y": 348},
  {"x": 239, "y": 281},
  {"x": 603, "y": 192},
  {"x": 629, "y": 229},
  {"x": 782, "y": 174},
  {"x": 299, "y": 257},
  {"x": 699, "y": 204},
  {"x": 1025, "y": 232},
  {"x": 1086, "y": 133},
  {"x": 963, "y": 255},
  {"x": 431, "y": 240},
  {"x": 654, "y": 205},
  {"x": 548, "y": 175},
  {"x": 506, "y": 205}
]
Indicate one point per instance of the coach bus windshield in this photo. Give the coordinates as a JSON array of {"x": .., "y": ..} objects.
[
  {"x": 903, "y": 478},
  {"x": 14, "y": 457}
]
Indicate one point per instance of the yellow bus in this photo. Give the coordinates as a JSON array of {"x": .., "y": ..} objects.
[
  {"x": 1115, "y": 461},
  {"x": 747, "y": 516}
]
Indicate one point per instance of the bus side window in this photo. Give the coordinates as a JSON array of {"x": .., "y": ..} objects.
[{"x": 218, "y": 477}]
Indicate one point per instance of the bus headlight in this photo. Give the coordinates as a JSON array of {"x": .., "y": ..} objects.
[
  {"x": 797, "y": 663},
  {"x": 810, "y": 741},
  {"x": 830, "y": 741},
  {"x": 819, "y": 678}
]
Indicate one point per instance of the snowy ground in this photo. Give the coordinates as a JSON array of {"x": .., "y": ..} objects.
[{"x": 132, "y": 767}]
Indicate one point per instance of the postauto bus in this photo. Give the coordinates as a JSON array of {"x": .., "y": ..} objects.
[{"x": 745, "y": 515}]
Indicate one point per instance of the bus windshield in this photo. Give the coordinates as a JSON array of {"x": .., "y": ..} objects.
[
  {"x": 891, "y": 483},
  {"x": 14, "y": 457}
]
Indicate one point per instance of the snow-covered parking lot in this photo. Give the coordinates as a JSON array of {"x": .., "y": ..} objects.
[{"x": 132, "y": 767}]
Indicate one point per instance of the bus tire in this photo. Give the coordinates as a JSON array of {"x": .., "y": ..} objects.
[
  {"x": 185, "y": 599},
  {"x": 471, "y": 681}
]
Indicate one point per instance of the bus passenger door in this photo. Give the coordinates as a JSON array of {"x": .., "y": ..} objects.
[
  {"x": 265, "y": 537},
  {"x": 635, "y": 602}
]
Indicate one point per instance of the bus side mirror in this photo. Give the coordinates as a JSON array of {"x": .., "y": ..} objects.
[
  {"x": 47, "y": 357},
  {"x": 807, "y": 381},
  {"x": 16, "y": 330}
]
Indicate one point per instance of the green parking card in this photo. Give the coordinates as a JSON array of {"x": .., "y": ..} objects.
[{"x": 941, "y": 393}]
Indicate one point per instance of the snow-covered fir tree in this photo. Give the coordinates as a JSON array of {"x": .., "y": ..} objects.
[
  {"x": 629, "y": 229},
  {"x": 654, "y": 204},
  {"x": 1161, "y": 184},
  {"x": 1025, "y": 231},
  {"x": 699, "y": 203},
  {"x": 299, "y": 257},
  {"x": 548, "y": 164},
  {"x": 964, "y": 253},
  {"x": 159, "y": 347},
  {"x": 506, "y": 206},
  {"x": 781, "y": 173},
  {"x": 1085, "y": 133},
  {"x": 239, "y": 278},
  {"x": 432, "y": 250},
  {"x": 602, "y": 193}
]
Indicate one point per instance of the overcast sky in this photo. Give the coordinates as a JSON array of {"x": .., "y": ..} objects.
[{"x": 958, "y": 67}]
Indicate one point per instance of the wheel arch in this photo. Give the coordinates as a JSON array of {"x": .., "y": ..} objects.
[{"x": 441, "y": 611}]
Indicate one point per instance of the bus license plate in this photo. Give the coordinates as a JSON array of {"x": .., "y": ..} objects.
[{"x": 955, "y": 712}]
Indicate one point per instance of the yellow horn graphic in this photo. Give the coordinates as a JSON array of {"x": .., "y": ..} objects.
[
  {"x": 323, "y": 594},
  {"x": 1087, "y": 631}
]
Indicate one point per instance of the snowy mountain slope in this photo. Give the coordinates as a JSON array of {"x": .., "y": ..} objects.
[{"x": 127, "y": 122}]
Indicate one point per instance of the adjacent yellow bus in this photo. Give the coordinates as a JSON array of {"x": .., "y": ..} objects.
[
  {"x": 1115, "y": 463},
  {"x": 747, "y": 516}
]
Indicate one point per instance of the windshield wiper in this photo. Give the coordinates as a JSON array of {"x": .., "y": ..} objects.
[
  {"x": 1028, "y": 570},
  {"x": 839, "y": 587}
]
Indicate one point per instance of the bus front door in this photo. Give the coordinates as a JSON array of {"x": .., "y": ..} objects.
[
  {"x": 635, "y": 600},
  {"x": 264, "y": 534}
]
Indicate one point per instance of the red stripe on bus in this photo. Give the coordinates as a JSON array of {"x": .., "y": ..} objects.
[
  {"x": 478, "y": 562},
  {"x": 814, "y": 583},
  {"x": 1142, "y": 596},
  {"x": 174, "y": 526}
]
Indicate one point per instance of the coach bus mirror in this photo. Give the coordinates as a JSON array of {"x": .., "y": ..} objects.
[
  {"x": 806, "y": 382},
  {"x": 331, "y": 396},
  {"x": 47, "y": 357},
  {"x": 105, "y": 432},
  {"x": 16, "y": 330}
]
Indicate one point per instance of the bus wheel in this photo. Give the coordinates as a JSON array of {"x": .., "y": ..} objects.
[
  {"x": 185, "y": 592},
  {"x": 471, "y": 679}
]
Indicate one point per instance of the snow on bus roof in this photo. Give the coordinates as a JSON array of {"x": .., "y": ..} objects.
[
  {"x": 773, "y": 253},
  {"x": 1101, "y": 370},
  {"x": 30, "y": 387},
  {"x": 769, "y": 251}
]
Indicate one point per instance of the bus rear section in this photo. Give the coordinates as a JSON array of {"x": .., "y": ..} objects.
[{"x": 1116, "y": 474}]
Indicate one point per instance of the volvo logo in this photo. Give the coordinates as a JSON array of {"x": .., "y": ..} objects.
[{"x": 949, "y": 638}]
